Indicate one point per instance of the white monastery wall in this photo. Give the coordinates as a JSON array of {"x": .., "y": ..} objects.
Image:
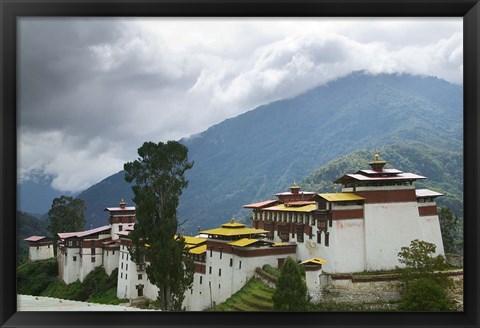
[
  {"x": 388, "y": 227},
  {"x": 71, "y": 265},
  {"x": 110, "y": 260},
  {"x": 346, "y": 250},
  {"x": 91, "y": 258},
  {"x": 37, "y": 253},
  {"x": 430, "y": 232}
]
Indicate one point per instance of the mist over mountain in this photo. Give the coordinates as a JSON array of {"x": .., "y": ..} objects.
[{"x": 250, "y": 157}]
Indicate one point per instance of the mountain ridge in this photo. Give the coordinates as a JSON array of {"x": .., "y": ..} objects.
[{"x": 261, "y": 152}]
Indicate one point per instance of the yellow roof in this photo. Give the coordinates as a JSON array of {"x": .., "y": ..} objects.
[
  {"x": 314, "y": 261},
  {"x": 282, "y": 207},
  {"x": 340, "y": 197},
  {"x": 198, "y": 250},
  {"x": 194, "y": 240},
  {"x": 280, "y": 243},
  {"x": 243, "y": 242},
  {"x": 233, "y": 225},
  {"x": 233, "y": 231}
]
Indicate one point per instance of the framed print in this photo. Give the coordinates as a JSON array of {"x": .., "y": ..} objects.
[{"x": 320, "y": 147}]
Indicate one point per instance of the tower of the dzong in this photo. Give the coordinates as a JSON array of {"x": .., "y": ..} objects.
[
  {"x": 121, "y": 217},
  {"x": 395, "y": 212}
]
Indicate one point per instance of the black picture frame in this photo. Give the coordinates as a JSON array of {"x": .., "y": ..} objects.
[{"x": 11, "y": 10}]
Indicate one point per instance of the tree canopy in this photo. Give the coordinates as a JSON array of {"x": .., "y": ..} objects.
[
  {"x": 290, "y": 292},
  {"x": 158, "y": 180},
  {"x": 67, "y": 214}
]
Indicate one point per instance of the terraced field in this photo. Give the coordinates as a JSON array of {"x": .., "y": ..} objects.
[{"x": 254, "y": 296}]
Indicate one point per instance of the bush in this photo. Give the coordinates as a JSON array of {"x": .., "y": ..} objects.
[
  {"x": 419, "y": 256},
  {"x": 425, "y": 294}
]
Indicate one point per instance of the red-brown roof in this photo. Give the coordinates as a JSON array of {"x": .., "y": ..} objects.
[
  {"x": 261, "y": 204},
  {"x": 85, "y": 233},
  {"x": 361, "y": 177},
  {"x": 35, "y": 238}
]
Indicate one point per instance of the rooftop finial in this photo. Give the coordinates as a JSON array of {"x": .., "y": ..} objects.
[
  {"x": 122, "y": 203},
  {"x": 233, "y": 219},
  {"x": 377, "y": 163}
]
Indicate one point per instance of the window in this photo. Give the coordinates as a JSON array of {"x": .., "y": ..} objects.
[
  {"x": 201, "y": 279},
  {"x": 92, "y": 251},
  {"x": 140, "y": 277},
  {"x": 93, "y": 259},
  {"x": 121, "y": 274},
  {"x": 126, "y": 276},
  {"x": 122, "y": 256},
  {"x": 240, "y": 264},
  {"x": 219, "y": 272},
  {"x": 219, "y": 286},
  {"x": 122, "y": 265},
  {"x": 327, "y": 235},
  {"x": 210, "y": 270},
  {"x": 120, "y": 228},
  {"x": 221, "y": 253},
  {"x": 211, "y": 250},
  {"x": 113, "y": 252},
  {"x": 126, "y": 267},
  {"x": 319, "y": 237},
  {"x": 38, "y": 247},
  {"x": 74, "y": 258},
  {"x": 231, "y": 262}
]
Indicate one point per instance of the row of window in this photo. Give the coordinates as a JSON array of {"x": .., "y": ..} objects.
[{"x": 140, "y": 276}]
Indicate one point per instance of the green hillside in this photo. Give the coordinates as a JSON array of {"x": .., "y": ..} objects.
[
  {"x": 443, "y": 169},
  {"x": 254, "y": 296}
]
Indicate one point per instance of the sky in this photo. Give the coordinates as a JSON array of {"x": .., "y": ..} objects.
[{"x": 92, "y": 90}]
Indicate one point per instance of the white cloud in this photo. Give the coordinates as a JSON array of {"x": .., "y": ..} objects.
[{"x": 93, "y": 90}]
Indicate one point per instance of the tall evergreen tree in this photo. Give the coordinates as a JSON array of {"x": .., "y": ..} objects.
[
  {"x": 290, "y": 292},
  {"x": 67, "y": 214},
  {"x": 158, "y": 176}
]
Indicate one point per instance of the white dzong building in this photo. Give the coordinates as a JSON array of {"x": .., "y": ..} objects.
[
  {"x": 359, "y": 229},
  {"x": 363, "y": 227},
  {"x": 39, "y": 248}
]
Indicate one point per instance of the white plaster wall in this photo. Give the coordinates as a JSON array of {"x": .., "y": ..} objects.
[
  {"x": 123, "y": 283},
  {"x": 115, "y": 229},
  {"x": 87, "y": 264},
  {"x": 314, "y": 285},
  {"x": 110, "y": 260},
  {"x": 431, "y": 232},
  {"x": 71, "y": 268},
  {"x": 388, "y": 227},
  {"x": 42, "y": 253},
  {"x": 198, "y": 297},
  {"x": 346, "y": 250}
]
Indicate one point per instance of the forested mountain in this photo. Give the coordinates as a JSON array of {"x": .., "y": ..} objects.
[
  {"x": 443, "y": 169},
  {"x": 252, "y": 156},
  {"x": 28, "y": 225}
]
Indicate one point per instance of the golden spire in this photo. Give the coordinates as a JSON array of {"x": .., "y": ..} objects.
[
  {"x": 233, "y": 219},
  {"x": 376, "y": 157}
]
